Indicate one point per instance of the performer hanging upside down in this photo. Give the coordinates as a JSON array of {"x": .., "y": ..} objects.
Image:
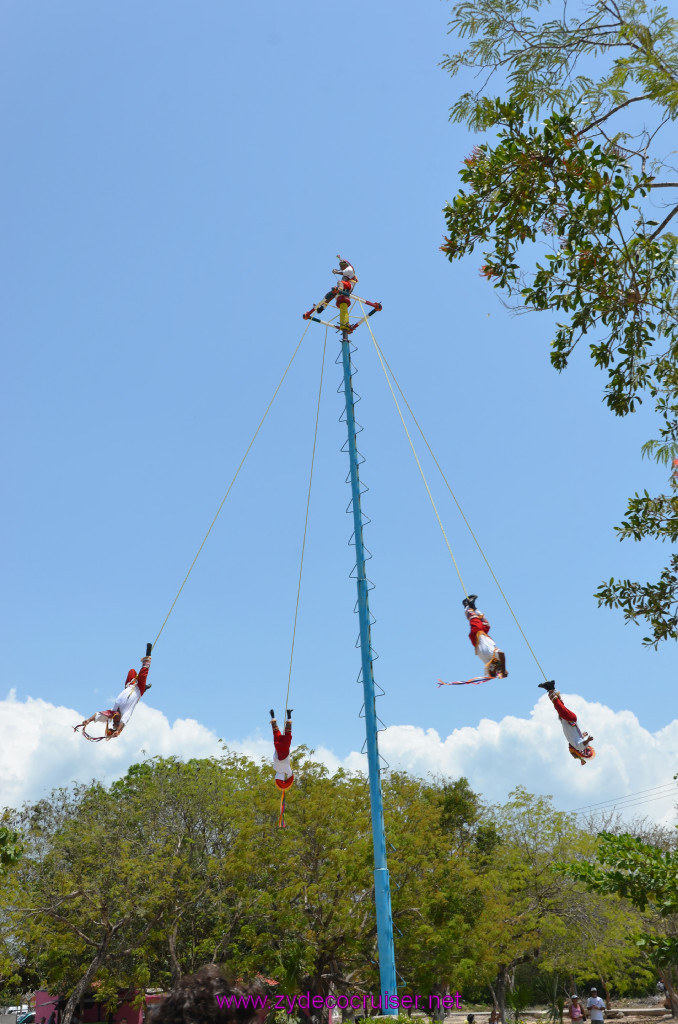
[
  {"x": 342, "y": 290},
  {"x": 119, "y": 715},
  {"x": 492, "y": 658},
  {"x": 281, "y": 758},
  {"x": 579, "y": 743}
]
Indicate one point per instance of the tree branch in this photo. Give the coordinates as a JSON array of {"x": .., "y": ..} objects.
[
  {"x": 74, "y": 929},
  {"x": 663, "y": 224},
  {"x": 599, "y": 120}
]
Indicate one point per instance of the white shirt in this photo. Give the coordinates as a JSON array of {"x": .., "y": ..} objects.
[
  {"x": 575, "y": 738},
  {"x": 595, "y": 1004},
  {"x": 126, "y": 702},
  {"x": 485, "y": 647},
  {"x": 348, "y": 272},
  {"x": 283, "y": 769}
]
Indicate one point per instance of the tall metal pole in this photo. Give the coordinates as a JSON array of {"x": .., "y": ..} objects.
[{"x": 382, "y": 888}]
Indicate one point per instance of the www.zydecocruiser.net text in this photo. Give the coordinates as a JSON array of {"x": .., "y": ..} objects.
[{"x": 306, "y": 1001}]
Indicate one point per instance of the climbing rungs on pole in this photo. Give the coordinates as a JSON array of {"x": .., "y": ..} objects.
[{"x": 382, "y": 892}]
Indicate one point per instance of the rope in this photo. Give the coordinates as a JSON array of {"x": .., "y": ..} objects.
[
  {"x": 230, "y": 486},
  {"x": 383, "y": 360},
  {"x": 308, "y": 503},
  {"x": 423, "y": 477}
]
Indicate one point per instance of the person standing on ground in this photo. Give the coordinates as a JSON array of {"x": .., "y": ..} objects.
[
  {"x": 596, "y": 1007},
  {"x": 575, "y": 1010}
]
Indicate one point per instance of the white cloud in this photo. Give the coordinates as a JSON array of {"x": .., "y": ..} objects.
[
  {"x": 498, "y": 756},
  {"x": 40, "y": 751}
]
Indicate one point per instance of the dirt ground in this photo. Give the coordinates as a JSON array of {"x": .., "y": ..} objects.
[{"x": 628, "y": 1010}]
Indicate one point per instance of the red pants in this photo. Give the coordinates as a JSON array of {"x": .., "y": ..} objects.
[
  {"x": 478, "y": 625},
  {"x": 563, "y": 712},
  {"x": 345, "y": 288},
  {"x": 282, "y": 743},
  {"x": 140, "y": 679}
]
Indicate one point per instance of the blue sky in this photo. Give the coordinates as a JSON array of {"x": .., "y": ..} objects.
[{"x": 177, "y": 181}]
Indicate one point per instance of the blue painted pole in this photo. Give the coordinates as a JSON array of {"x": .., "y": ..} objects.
[{"x": 382, "y": 888}]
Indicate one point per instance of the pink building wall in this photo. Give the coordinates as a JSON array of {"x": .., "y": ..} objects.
[{"x": 44, "y": 1003}]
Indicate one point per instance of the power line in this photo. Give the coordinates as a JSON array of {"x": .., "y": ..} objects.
[
  {"x": 601, "y": 804},
  {"x": 641, "y": 803}
]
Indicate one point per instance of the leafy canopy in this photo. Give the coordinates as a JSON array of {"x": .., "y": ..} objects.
[
  {"x": 573, "y": 213},
  {"x": 645, "y": 876}
]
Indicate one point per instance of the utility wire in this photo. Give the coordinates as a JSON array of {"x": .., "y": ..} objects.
[{"x": 601, "y": 804}]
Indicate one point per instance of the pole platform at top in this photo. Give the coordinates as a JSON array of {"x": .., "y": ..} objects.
[{"x": 342, "y": 325}]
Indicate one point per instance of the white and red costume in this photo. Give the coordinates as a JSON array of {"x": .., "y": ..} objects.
[
  {"x": 342, "y": 290},
  {"x": 281, "y": 758},
  {"x": 119, "y": 715},
  {"x": 127, "y": 699},
  {"x": 346, "y": 285},
  {"x": 483, "y": 644},
  {"x": 577, "y": 741}
]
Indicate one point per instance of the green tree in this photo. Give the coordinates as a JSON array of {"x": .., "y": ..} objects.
[
  {"x": 10, "y": 847},
  {"x": 529, "y": 918},
  {"x": 433, "y": 826},
  {"x": 573, "y": 211},
  {"x": 180, "y": 864},
  {"x": 647, "y": 878},
  {"x": 81, "y": 893},
  {"x": 124, "y": 888},
  {"x": 199, "y": 822}
]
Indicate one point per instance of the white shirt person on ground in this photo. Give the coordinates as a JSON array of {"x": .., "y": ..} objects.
[{"x": 595, "y": 1006}]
